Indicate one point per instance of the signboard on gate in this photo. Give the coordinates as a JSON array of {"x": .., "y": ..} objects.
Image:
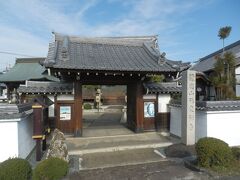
[
  {"x": 149, "y": 109},
  {"x": 65, "y": 113}
]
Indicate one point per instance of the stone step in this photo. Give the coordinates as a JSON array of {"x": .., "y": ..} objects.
[
  {"x": 118, "y": 148},
  {"x": 118, "y": 138},
  {"x": 80, "y": 146}
]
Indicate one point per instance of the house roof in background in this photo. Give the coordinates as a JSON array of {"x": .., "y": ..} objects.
[
  {"x": 14, "y": 112},
  {"x": 207, "y": 63},
  {"x": 42, "y": 87},
  {"x": 126, "y": 54},
  {"x": 162, "y": 88},
  {"x": 2, "y": 85},
  {"x": 26, "y": 69}
]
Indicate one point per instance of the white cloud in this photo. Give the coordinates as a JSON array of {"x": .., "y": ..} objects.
[
  {"x": 87, "y": 6},
  {"x": 35, "y": 19}
]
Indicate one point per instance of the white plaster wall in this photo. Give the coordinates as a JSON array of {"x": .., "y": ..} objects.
[
  {"x": 201, "y": 125},
  {"x": 175, "y": 120},
  {"x": 149, "y": 96},
  {"x": 224, "y": 125},
  {"x": 238, "y": 90},
  {"x": 51, "y": 108},
  {"x": 237, "y": 70},
  {"x": 8, "y": 139},
  {"x": 65, "y": 97},
  {"x": 25, "y": 132},
  {"x": 163, "y": 100}
]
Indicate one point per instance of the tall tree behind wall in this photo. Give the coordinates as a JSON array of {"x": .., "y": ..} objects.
[
  {"x": 223, "y": 33},
  {"x": 223, "y": 77}
]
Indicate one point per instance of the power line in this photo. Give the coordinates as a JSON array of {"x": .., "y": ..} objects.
[{"x": 18, "y": 54}]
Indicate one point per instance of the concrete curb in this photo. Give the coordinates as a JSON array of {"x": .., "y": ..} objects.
[
  {"x": 188, "y": 163},
  {"x": 118, "y": 148},
  {"x": 114, "y": 136},
  {"x": 192, "y": 167}
]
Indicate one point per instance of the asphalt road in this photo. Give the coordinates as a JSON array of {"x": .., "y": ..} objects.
[{"x": 164, "y": 170}]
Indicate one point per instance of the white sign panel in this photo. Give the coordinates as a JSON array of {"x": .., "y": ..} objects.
[
  {"x": 65, "y": 113},
  {"x": 149, "y": 109}
]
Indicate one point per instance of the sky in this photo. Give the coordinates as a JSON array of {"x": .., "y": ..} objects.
[{"x": 187, "y": 29}]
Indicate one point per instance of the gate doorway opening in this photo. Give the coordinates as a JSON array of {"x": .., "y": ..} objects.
[{"x": 104, "y": 110}]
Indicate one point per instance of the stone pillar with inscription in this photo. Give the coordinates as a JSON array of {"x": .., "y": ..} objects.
[{"x": 188, "y": 107}]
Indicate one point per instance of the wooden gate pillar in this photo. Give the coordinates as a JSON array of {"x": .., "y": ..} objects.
[
  {"x": 38, "y": 129},
  {"x": 78, "y": 109},
  {"x": 135, "y": 106},
  {"x": 139, "y": 107}
]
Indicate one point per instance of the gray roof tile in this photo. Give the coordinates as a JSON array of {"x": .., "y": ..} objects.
[
  {"x": 45, "y": 87},
  {"x": 27, "y": 69},
  {"x": 108, "y": 54},
  {"x": 168, "y": 87},
  {"x": 212, "y": 105}
]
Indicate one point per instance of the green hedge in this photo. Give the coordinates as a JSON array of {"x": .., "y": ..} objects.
[
  {"x": 236, "y": 153},
  {"x": 15, "y": 168},
  {"x": 212, "y": 152},
  {"x": 50, "y": 169},
  {"x": 87, "y": 106}
]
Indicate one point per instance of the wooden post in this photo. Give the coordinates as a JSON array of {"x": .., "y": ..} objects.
[
  {"x": 38, "y": 129},
  {"x": 131, "y": 108},
  {"x": 38, "y": 149},
  {"x": 139, "y": 107},
  {"x": 54, "y": 121},
  {"x": 78, "y": 109}
]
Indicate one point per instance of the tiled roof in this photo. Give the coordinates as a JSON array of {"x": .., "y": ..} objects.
[
  {"x": 12, "y": 111},
  {"x": 17, "y": 111},
  {"x": 218, "y": 105},
  {"x": 212, "y": 105},
  {"x": 43, "y": 101},
  {"x": 26, "y": 69},
  {"x": 168, "y": 87},
  {"x": 207, "y": 63},
  {"x": 45, "y": 87},
  {"x": 135, "y": 54}
]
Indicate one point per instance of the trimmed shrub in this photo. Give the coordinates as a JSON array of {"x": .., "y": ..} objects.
[
  {"x": 236, "y": 153},
  {"x": 50, "y": 169},
  {"x": 212, "y": 152},
  {"x": 87, "y": 106},
  {"x": 15, "y": 168}
]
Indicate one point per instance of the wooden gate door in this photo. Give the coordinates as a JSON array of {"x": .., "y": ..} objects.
[
  {"x": 149, "y": 114},
  {"x": 65, "y": 119}
]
